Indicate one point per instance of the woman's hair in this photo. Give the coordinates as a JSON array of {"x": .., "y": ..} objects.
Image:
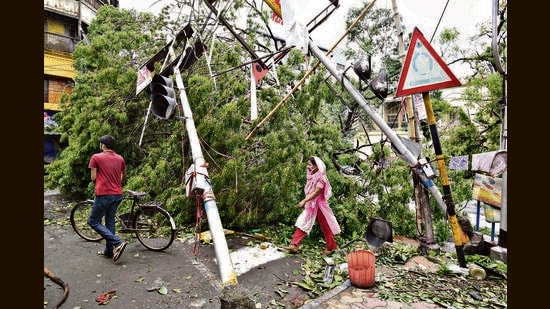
[{"x": 312, "y": 160}]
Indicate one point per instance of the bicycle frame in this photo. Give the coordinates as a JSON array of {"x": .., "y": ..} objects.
[
  {"x": 127, "y": 220},
  {"x": 152, "y": 225}
]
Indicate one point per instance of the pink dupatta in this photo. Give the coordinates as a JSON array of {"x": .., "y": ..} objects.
[{"x": 318, "y": 179}]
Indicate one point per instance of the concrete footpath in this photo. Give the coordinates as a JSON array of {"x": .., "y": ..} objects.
[{"x": 348, "y": 296}]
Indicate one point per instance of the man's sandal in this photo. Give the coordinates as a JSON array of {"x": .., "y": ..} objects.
[{"x": 117, "y": 251}]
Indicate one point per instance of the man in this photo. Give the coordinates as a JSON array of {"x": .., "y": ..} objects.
[{"x": 109, "y": 172}]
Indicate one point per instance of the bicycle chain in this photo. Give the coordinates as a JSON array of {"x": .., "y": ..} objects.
[{"x": 152, "y": 203}]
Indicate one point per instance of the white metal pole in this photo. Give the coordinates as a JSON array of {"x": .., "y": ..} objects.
[{"x": 227, "y": 273}]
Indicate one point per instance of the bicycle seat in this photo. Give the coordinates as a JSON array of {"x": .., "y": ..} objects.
[{"x": 136, "y": 194}]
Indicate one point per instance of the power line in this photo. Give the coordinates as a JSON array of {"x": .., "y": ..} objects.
[{"x": 439, "y": 21}]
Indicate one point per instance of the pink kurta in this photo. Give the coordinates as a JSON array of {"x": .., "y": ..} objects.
[{"x": 307, "y": 218}]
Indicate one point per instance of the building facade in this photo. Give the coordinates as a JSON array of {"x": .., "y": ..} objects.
[{"x": 65, "y": 25}]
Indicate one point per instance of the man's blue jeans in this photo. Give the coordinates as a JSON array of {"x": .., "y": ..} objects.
[{"x": 106, "y": 206}]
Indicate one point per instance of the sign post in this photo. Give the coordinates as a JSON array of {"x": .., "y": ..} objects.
[{"x": 424, "y": 70}]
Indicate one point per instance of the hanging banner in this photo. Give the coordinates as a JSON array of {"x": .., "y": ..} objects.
[
  {"x": 297, "y": 34},
  {"x": 487, "y": 189},
  {"x": 420, "y": 107},
  {"x": 143, "y": 79}
]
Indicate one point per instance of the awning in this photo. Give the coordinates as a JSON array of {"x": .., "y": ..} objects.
[{"x": 59, "y": 65}]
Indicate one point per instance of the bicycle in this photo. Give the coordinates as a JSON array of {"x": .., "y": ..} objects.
[{"x": 153, "y": 226}]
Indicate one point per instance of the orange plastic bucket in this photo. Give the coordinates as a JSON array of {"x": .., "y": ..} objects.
[{"x": 361, "y": 268}]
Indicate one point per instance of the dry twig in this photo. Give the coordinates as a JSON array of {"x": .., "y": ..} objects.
[{"x": 59, "y": 282}]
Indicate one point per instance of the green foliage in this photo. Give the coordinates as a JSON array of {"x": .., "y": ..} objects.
[
  {"x": 99, "y": 103},
  {"x": 395, "y": 253},
  {"x": 442, "y": 231},
  {"x": 448, "y": 39},
  {"x": 488, "y": 263}
]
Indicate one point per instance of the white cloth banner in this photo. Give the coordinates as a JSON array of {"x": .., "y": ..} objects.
[{"x": 297, "y": 33}]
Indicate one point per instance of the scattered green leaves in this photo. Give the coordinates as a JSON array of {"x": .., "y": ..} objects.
[
  {"x": 162, "y": 290},
  {"x": 392, "y": 253}
]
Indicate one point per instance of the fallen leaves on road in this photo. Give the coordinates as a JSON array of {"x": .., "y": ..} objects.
[{"x": 105, "y": 297}]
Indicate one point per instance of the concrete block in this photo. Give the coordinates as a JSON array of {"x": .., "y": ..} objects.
[{"x": 499, "y": 253}]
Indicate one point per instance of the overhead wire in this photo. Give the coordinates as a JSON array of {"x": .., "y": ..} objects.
[{"x": 439, "y": 21}]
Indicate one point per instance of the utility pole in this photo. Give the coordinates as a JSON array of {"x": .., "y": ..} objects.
[
  {"x": 500, "y": 251},
  {"x": 201, "y": 185},
  {"x": 423, "y": 212},
  {"x": 163, "y": 103}
]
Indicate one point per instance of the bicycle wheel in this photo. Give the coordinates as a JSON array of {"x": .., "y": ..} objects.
[
  {"x": 79, "y": 221},
  {"x": 155, "y": 228}
]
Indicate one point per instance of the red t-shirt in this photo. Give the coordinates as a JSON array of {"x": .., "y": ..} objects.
[{"x": 109, "y": 170}]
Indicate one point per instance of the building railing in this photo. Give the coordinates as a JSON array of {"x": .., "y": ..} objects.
[
  {"x": 96, "y": 4},
  {"x": 59, "y": 42}
]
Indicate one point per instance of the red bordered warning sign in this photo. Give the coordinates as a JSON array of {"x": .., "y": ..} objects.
[{"x": 424, "y": 70}]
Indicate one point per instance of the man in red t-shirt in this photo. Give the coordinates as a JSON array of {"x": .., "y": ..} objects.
[{"x": 109, "y": 172}]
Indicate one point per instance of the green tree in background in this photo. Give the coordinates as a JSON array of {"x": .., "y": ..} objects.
[
  {"x": 102, "y": 101},
  {"x": 256, "y": 183}
]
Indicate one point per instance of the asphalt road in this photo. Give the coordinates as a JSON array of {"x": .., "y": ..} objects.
[{"x": 141, "y": 276}]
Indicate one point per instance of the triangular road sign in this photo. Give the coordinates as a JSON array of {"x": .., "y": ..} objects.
[{"x": 424, "y": 70}]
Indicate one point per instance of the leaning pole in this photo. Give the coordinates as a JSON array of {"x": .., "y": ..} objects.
[
  {"x": 202, "y": 184},
  {"x": 396, "y": 142}
]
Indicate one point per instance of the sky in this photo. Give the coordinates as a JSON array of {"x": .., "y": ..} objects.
[{"x": 464, "y": 15}]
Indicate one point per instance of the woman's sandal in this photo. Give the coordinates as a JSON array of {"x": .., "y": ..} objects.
[
  {"x": 101, "y": 254},
  {"x": 291, "y": 249}
]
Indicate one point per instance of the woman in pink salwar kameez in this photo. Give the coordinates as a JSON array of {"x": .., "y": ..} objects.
[{"x": 317, "y": 191}]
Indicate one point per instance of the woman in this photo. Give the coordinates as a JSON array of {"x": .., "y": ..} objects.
[{"x": 317, "y": 191}]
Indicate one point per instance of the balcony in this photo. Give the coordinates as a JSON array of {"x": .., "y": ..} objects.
[
  {"x": 77, "y": 9},
  {"x": 59, "y": 42}
]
